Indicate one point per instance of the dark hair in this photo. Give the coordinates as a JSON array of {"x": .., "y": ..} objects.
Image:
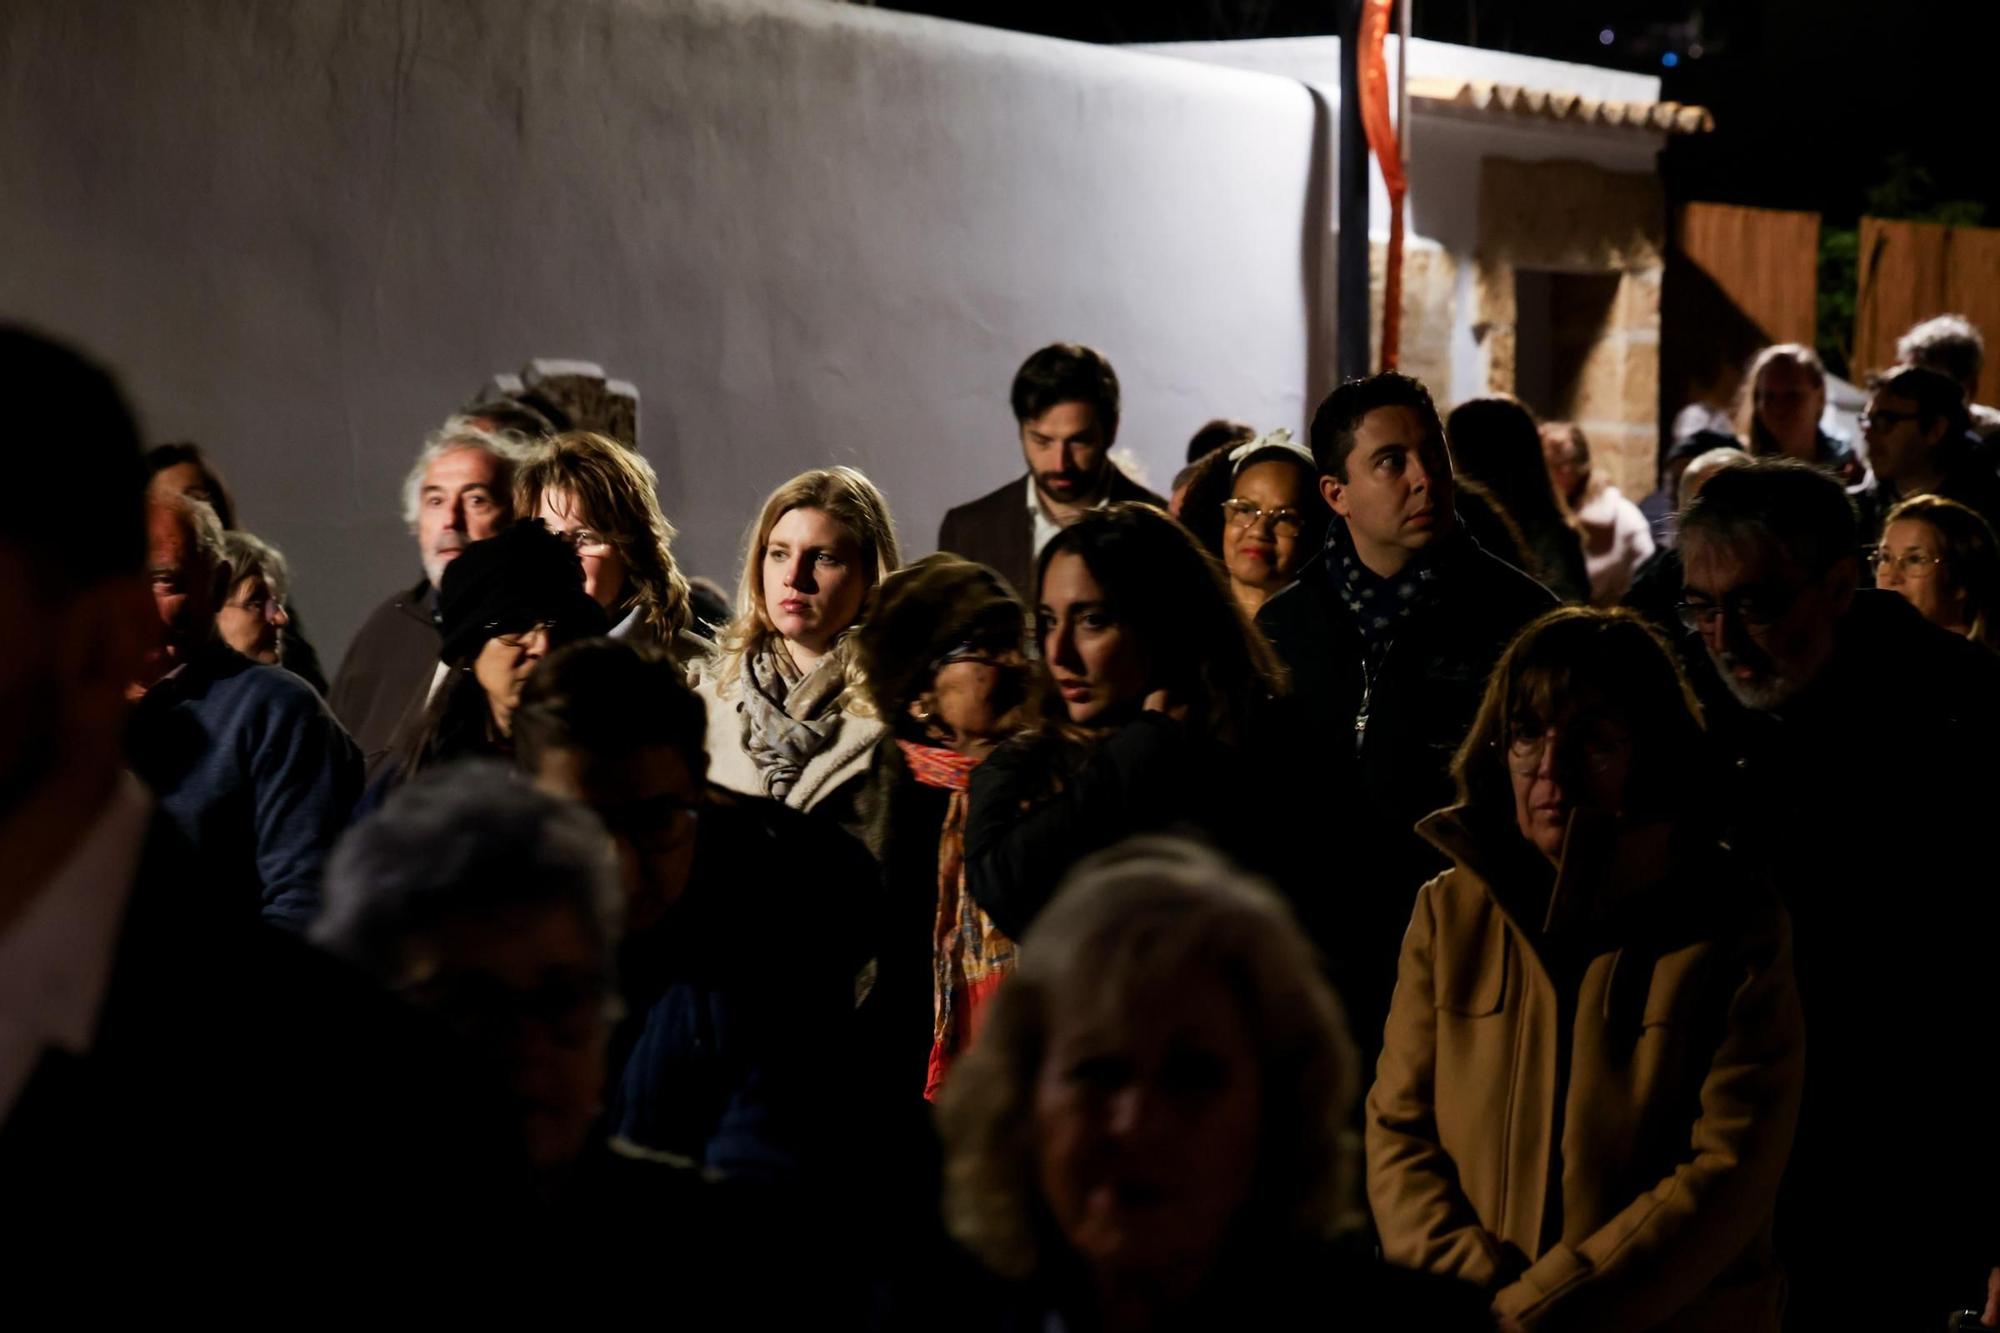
[
  {"x": 1802, "y": 508},
  {"x": 608, "y": 697},
  {"x": 456, "y": 724},
  {"x": 1333, "y": 426},
  {"x": 1067, "y": 373},
  {"x": 1496, "y": 442},
  {"x": 163, "y": 456},
  {"x": 1220, "y": 433},
  {"x": 1950, "y": 344},
  {"x": 520, "y": 414},
  {"x": 1201, "y": 507},
  {"x": 1578, "y": 651},
  {"x": 85, "y": 437},
  {"x": 1937, "y": 396},
  {"x": 1175, "y": 597},
  {"x": 1971, "y": 563}
]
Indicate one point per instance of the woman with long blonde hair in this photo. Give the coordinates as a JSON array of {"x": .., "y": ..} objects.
[{"x": 786, "y": 715}]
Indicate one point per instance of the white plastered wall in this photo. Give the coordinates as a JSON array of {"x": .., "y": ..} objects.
[{"x": 809, "y": 232}]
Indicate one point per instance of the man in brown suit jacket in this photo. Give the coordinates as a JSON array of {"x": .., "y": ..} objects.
[{"x": 1066, "y": 403}]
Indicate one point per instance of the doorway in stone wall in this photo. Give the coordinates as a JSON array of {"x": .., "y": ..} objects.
[{"x": 1560, "y": 318}]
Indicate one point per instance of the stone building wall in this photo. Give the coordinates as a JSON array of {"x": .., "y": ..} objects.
[{"x": 1574, "y": 217}]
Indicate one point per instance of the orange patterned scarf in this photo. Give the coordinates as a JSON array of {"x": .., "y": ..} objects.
[{"x": 969, "y": 955}]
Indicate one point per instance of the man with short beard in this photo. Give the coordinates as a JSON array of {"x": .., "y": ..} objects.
[
  {"x": 1859, "y": 741},
  {"x": 1065, "y": 400},
  {"x": 461, "y": 490}
]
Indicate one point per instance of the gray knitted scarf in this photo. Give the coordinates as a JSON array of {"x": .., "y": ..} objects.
[{"x": 787, "y": 717}]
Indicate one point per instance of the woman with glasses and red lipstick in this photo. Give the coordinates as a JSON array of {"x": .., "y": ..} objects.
[
  {"x": 1158, "y": 690},
  {"x": 1274, "y": 519},
  {"x": 1592, "y": 1066}
]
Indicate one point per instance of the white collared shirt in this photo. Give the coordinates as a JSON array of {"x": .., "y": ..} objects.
[
  {"x": 55, "y": 960},
  {"x": 1045, "y": 525}
]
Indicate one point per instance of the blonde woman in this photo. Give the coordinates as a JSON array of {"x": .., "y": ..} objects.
[
  {"x": 603, "y": 499},
  {"x": 787, "y": 717}
]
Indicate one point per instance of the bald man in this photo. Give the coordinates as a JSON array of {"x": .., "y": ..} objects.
[{"x": 245, "y": 758}]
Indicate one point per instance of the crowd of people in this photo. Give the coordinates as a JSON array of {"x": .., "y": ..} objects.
[{"x": 1398, "y": 881}]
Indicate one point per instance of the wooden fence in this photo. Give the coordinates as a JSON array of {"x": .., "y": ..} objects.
[{"x": 1913, "y": 270}]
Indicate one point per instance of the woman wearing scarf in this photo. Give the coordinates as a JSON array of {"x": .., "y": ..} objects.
[
  {"x": 942, "y": 655},
  {"x": 787, "y": 717}
]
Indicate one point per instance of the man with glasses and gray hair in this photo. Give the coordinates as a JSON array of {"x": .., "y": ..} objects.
[{"x": 1857, "y": 742}]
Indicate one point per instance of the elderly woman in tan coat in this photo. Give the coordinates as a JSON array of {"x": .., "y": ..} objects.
[{"x": 1593, "y": 1060}]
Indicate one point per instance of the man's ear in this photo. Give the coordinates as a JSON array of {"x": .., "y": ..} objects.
[{"x": 1334, "y": 491}]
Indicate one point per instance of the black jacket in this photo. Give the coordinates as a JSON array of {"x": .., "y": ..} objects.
[
  {"x": 1038, "y": 806},
  {"x": 1377, "y": 753},
  {"x": 1867, "y": 800},
  {"x": 740, "y": 1002},
  {"x": 997, "y": 531},
  {"x": 247, "y": 1102}
]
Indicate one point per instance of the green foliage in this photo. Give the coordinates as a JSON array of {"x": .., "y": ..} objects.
[
  {"x": 1839, "y": 281},
  {"x": 1907, "y": 192}
]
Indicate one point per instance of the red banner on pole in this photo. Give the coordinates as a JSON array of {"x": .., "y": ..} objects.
[{"x": 1372, "y": 62}]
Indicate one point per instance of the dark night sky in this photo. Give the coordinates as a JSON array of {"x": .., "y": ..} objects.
[{"x": 1813, "y": 98}]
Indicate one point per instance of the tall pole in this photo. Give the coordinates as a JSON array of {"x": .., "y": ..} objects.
[{"x": 1351, "y": 208}]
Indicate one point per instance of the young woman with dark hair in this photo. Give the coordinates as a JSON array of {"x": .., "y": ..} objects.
[{"x": 1157, "y": 698}]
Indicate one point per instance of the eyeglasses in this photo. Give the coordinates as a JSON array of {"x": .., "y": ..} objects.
[
  {"x": 1909, "y": 565},
  {"x": 985, "y": 652},
  {"x": 1599, "y": 747},
  {"x": 585, "y": 542},
  {"x": 518, "y": 638},
  {"x": 1755, "y": 609},
  {"x": 1241, "y": 513},
  {"x": 1885, "y": 419}
]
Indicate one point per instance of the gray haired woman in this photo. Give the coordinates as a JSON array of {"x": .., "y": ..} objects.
[{"x": 1149, "y": 1132}]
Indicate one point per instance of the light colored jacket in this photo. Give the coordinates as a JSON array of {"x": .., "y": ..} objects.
[
  {"x": 836, "y": 774},
  {"x": 1669, "y": 1063}
]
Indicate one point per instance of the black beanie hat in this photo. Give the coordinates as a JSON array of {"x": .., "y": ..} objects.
[
  {"x": 923, "y": 611},
  {"x": 522, "y": 577}
]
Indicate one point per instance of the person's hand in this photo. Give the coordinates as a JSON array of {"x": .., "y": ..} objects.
[
  {"x": 1991, "y": 1317},
  {"x": 1163, "y": 701}
]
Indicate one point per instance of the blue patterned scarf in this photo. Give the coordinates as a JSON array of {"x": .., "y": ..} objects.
[{"x": 1379, "y": 606}]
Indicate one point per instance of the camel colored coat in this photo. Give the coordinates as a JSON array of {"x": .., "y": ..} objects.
[{"x": 1646, "y": 1021}]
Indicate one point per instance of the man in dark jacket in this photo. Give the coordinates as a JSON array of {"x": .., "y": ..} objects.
[
  {"x": 1918, "y": 444},
  {"x": 1389, "y": 634},
  {"x": 244, "y": 757},
  {"x": 1065, "y": 401},
  {"x": 460, "y": 491},
  {"x": 747, "y": 924},
  {"x": 1859, "y": 740},
  {"x": 182, "y": 1090}
]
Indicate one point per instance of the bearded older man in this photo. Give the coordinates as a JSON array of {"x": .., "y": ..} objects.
[{"x": 1858, "y": 742}]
